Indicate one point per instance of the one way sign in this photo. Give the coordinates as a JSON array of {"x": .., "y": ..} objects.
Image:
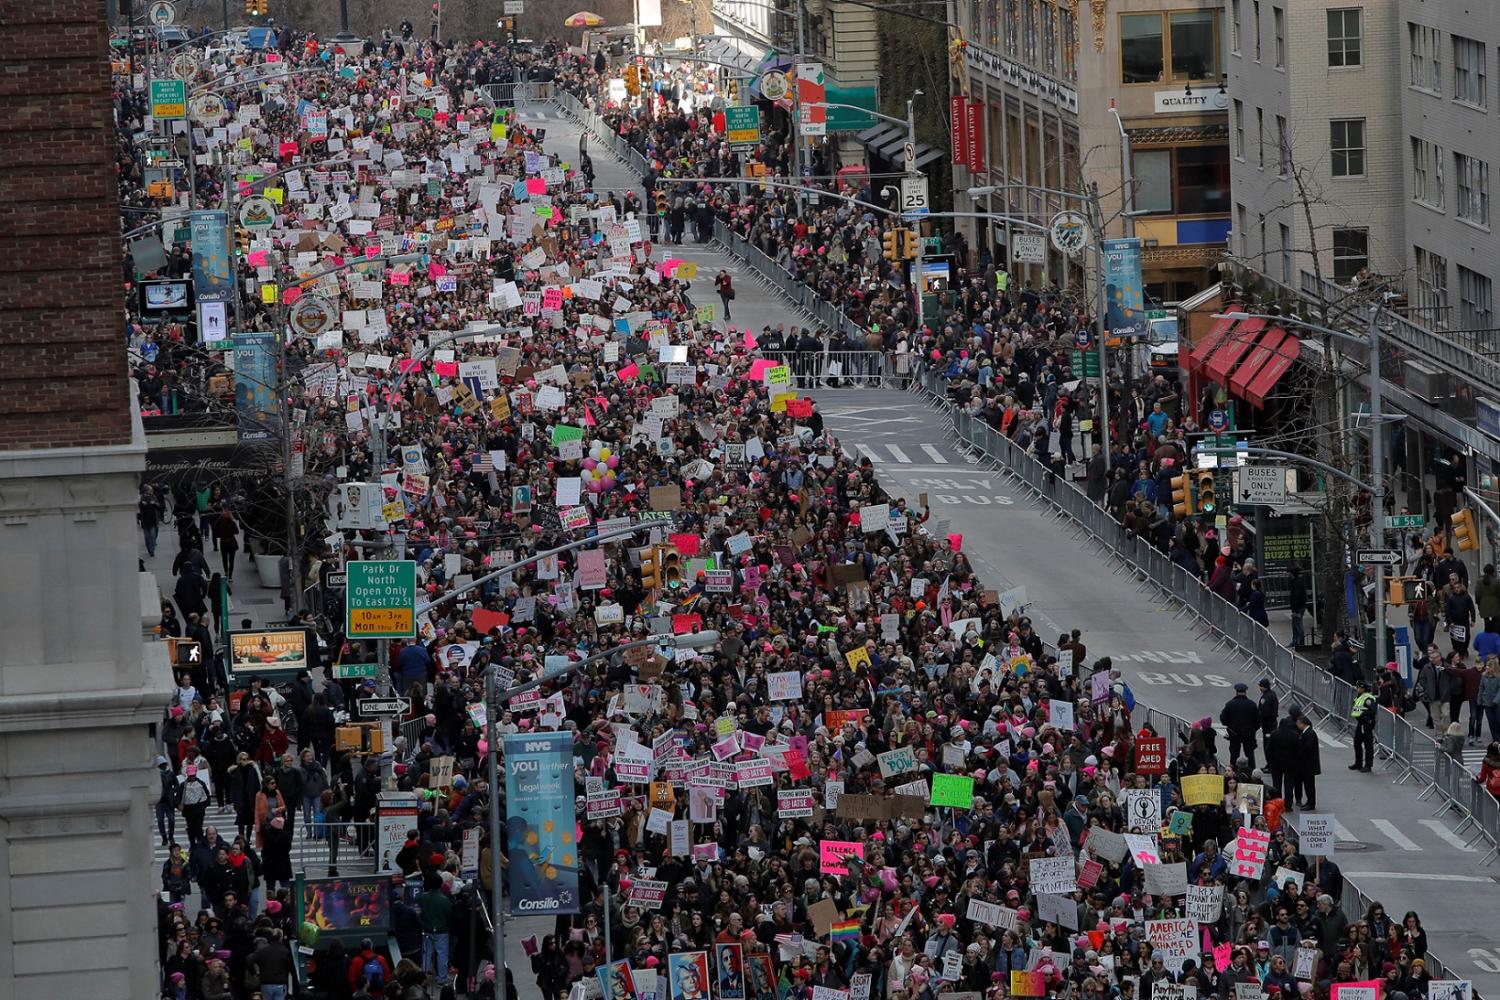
[{"x": 1261, "y": 484}]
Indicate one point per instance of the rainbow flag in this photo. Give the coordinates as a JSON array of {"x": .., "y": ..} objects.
[{"x": 846, "y": 930}]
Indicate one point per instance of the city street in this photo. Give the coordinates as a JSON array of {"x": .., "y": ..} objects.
[{"x": 1389, "y": 843}]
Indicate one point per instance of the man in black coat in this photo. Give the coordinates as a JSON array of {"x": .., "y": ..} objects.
[
  {"x": 1281, "y": 754},
  {"x": 1308, "y": 764},
  {"x": 1241, "y": 717}
]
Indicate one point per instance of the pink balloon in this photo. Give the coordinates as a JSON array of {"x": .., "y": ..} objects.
[
  {"x": 589, "y": 463},
  {"x": 595, "y": 485},
  {"x": 484, "y": 746},
  {"x": 613, "y": 461}
]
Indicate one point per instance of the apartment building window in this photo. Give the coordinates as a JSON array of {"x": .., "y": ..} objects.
[
  {"x": 1469, "y": 78},
  {"x": 1028, "y": 31},
  {"x": 1242, "y": 229},
  {"x": 1346, "y": 143},
  {"x": 1260, "y": 134},
  {"x": 1234, "y": 26},
  {"x": 1426, "y": 58},
  {"x": 1239, "y": 129},
  {"x": 1476, "y": 308},
  {"x": 1068, "y": 25},
  {"x": 1278, "y": 28},
  {"x": 1049, "y": 39},
  {"x": 1286, "y": 254},
  {"x": 1283, "y": 149},
  {"x": 1012, "y": 26},
  {"x": 1255, "y": 13},
  {"x": 1432, "y": 288},
  {"x": 1351, "y": 253},
  {"x": 1472, "y": 176},
  {"x": 1345, "y": 42},
  {"x": 1427, "y": 173}
]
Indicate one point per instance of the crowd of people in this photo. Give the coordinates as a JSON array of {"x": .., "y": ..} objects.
[{"x": 969, "y": 783}]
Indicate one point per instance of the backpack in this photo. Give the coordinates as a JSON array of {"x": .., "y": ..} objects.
[{"x": 373, "y": 975}]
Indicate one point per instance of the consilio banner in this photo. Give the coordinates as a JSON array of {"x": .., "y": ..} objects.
[{"x": 542, "y": 818}]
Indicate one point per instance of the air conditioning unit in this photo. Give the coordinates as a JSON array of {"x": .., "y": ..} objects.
[{"x": 1427, "y": 383}]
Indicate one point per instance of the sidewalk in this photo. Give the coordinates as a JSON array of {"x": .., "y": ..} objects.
[{"x": 248, "y": 598}]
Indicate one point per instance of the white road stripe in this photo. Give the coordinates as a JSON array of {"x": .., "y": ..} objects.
[
  {"x": 1342, "y": 832},
  {"x": 1438, "y": 827},
  {"x": 1398, "y": 838},
  {"x": 934, "y": 454},
  {"x": 1421, "y": 877},
  {"x": 1329, "y": 741},
  {"x": 900, "y": 455},
  {"x": 867, "y": 452}
]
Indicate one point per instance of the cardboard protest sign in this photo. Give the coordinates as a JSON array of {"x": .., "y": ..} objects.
[
  {"x": 1056, "y": 876},
  {"x": 1203, "y": 789}
]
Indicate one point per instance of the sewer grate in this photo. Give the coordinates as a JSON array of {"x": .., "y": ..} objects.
[{"x": 1352, "y": 846}]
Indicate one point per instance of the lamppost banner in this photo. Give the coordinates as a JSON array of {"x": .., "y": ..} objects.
[{"x": 542, "y": 818}]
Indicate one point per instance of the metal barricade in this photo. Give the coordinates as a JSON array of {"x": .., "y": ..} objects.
[{"x": 349, "y": 847}]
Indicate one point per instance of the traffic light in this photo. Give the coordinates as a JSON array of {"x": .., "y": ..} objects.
[
  {"x": 1465, "y": 538},
  {"x": 891, "y": 240},
  {"x": 1182, "y": 496},
  {"x": 909, "y": 244},
  {"x": 632, "y": 80},
  {"x": 1207, "y": 503},
  {"x": 671, "y": 567},
  {"x": 661, "y": 202},
  {"x": 650, "y": 568},
  {"x": 734, "y": 92}
]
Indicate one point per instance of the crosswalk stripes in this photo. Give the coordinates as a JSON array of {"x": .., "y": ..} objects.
[
  {"x": 934, "y": 454},
  {"x": 1439, "y": 828},
  {"x": 1395, "y": 835},
  {"x": 898, "y": 455}
]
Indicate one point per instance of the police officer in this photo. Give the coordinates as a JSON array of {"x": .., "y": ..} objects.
[
  {"x": 1241, "y": 717},
  {"x": 1365, "y": 707}
]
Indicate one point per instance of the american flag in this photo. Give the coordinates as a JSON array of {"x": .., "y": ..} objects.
[{"x": 482, "y": 463}]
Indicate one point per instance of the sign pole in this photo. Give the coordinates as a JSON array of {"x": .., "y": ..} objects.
[{"x": 920, "y": 279}]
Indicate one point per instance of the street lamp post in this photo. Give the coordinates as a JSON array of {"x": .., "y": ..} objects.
[
  {"x": 492, "y": 700},
  {"x": 1371, "y": 341}
]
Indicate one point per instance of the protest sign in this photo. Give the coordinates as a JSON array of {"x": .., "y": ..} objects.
[
  {"x": 1056, "y": 876},
  {"x": 833, "y": 855}
]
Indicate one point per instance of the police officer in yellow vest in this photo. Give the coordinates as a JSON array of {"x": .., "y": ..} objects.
[{"x": 1365, "y": 708}]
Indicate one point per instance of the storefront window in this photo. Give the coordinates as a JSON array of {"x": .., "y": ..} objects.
[
  {"x": 1152, "y": 171},
  {"x": 1203, "y": 180}
]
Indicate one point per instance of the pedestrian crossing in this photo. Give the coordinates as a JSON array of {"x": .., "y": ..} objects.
[
  {"x": 1419, "y": 837},
  {"x": 907, "y": 454}
]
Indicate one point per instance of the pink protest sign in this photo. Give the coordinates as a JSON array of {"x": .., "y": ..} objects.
[
  {"x": 447, "y": 369},
  {"x": 832, "y": 855},
  {"x": 291, "y": 294},
  {"x": 400, "y": 278},
  {"x": 256, "y": 258},
  {"x": 535, "y": 185}
]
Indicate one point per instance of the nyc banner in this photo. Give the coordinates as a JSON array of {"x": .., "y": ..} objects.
[
  {"x": 542, "y": 819},
  {"x": 1124, "y": 306},
  {"x": 213, "y": 274},
  {"x": 255, "y": 386}
]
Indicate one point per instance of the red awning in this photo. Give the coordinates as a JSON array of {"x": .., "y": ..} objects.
[
  {"x": 1263, "y": 381},
  {"x": 1206, "y": 347},
  {"x": 1251, "y": 364},
  {"x": 1235, "y": 347}
]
